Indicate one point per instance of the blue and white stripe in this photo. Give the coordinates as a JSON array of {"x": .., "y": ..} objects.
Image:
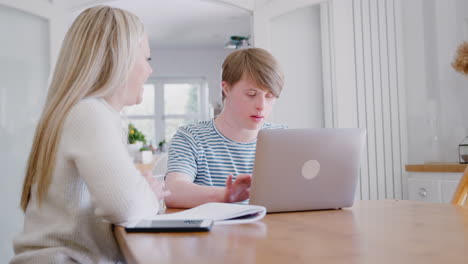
[{"x": 202, "y": 152}]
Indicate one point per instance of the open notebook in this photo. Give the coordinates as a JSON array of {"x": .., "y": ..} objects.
[{"x": 221, "y": 213}]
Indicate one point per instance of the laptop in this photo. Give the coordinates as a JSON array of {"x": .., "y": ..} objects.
[{"x": 306, "y": 169}]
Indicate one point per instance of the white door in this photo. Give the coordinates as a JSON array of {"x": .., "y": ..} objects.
[
  {"x": 30, "y": 33},
  {"x": 291, "y": 31}
]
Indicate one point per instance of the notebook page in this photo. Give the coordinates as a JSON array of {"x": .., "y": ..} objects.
[{"x": 221, "y": 212}]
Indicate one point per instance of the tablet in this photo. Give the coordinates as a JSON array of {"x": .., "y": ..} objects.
[{"x": 171, "y": 226}]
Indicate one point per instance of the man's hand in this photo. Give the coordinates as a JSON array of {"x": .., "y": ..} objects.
[{"x": 239, "y": 190}]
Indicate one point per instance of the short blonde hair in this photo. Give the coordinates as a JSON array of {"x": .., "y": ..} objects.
[
  {"x": 96, "y": 57},
  {"x": 258, "y": 65},
  {"x": 460, "y": 64}
]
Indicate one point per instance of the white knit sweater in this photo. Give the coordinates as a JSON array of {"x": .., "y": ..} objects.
[{"x": 94, "y": 184}]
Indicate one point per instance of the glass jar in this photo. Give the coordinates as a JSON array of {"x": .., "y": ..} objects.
[{"x": 463, "y": 151}]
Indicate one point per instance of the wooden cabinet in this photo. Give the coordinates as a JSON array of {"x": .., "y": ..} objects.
[
  {"x": 422, "y": 189},
  {"x": 434, "y": 183},
  {"x": 448, "y": 188}
]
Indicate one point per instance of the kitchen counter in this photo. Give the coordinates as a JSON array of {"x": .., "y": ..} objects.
[{"x": 436, "y": 167}]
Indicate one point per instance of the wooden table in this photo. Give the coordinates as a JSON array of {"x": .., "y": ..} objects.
[
  {"x": 436, "y": 167},
  {"x": 371, "y": 232}
]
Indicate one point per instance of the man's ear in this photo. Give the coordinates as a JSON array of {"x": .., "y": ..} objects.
[{"x": 226, "y": 87}]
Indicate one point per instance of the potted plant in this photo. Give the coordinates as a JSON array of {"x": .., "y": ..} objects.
[
  {"x": 162, "y": 145},
  {"x": 136, "y": 139},
  {"x": 135, "y": 135},
  {"x": 145, "y": 155}
]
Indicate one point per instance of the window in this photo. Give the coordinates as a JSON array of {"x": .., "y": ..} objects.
[{"x": 167, "y": 104}]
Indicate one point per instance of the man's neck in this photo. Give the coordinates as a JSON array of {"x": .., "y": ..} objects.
[{"x": 233, "y": 131}]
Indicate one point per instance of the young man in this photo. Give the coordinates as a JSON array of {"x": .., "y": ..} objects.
[{"x": 212, "y": 161}]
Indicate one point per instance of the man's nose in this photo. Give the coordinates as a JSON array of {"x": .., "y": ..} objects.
[{"x": 260, "y": 103}]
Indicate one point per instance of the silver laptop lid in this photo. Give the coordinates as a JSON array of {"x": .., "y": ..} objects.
[{"x": 306, "y": 169}]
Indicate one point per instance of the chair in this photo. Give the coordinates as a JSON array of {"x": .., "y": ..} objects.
[
  {"x": 461, "y": 194},
  {"x": 160, "y": 166}
]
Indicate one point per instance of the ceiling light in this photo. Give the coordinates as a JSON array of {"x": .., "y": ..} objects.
[{"x": 237, "y": 42}]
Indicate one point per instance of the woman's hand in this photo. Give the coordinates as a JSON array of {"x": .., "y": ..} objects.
[
  {"x": 158, "y": 187},
  {"x": 239, "y": 190}
]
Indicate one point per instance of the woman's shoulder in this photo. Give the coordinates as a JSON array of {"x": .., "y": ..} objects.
[
  {"x": 89, "y": 104},
  {"x": 91, "y": 112},
  {"x": 91, "y": 119},
  {"x": 91, "y": 107}
]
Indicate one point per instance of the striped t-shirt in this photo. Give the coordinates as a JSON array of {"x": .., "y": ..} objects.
[{"x": 202, "y": 152}]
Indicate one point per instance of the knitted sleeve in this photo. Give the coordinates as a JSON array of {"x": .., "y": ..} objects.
[{"x": 119, "y": 193}]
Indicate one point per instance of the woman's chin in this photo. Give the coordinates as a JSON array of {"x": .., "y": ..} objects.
[
  {"x": 139, "y": 100},
  {"x": 134, "y": 102}
]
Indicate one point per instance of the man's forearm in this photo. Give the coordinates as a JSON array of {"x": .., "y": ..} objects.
[{"x": 187, "y": 195}]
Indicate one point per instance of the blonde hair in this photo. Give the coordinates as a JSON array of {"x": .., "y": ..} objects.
[
  {"x": 95, "y": 59},
  {"x": 460, "y": 63},
  {"x": 258, "y": 65}
]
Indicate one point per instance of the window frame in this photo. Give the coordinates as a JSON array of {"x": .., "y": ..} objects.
[{"x": 159, "y": 116}]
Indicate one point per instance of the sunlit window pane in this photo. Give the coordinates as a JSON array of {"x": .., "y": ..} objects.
[
  {"x": 181, "y": 99},
  {"x": 172, "y": 124},
  {"x": 147, "y": 105},
  {"x": 147, "y": 127}
]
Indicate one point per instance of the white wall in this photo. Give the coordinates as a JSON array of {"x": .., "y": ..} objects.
[
  {"x": 436, "y": 94},
  {"x": 367, "y": 91},
  {"x": 296, "y": 43},
  {"x": 26, "y": 54},
  {"x": 204, "y": 63}
]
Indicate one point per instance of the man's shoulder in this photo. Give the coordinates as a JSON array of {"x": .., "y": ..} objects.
[
  {"x": 196, "y": 129},
  {"x": 267, "y": 125}
]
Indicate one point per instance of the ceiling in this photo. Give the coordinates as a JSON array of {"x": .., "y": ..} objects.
[{"x": 184, "y": 23}]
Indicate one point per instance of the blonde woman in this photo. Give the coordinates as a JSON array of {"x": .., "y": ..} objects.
[{"x": 80, "y": 179}]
